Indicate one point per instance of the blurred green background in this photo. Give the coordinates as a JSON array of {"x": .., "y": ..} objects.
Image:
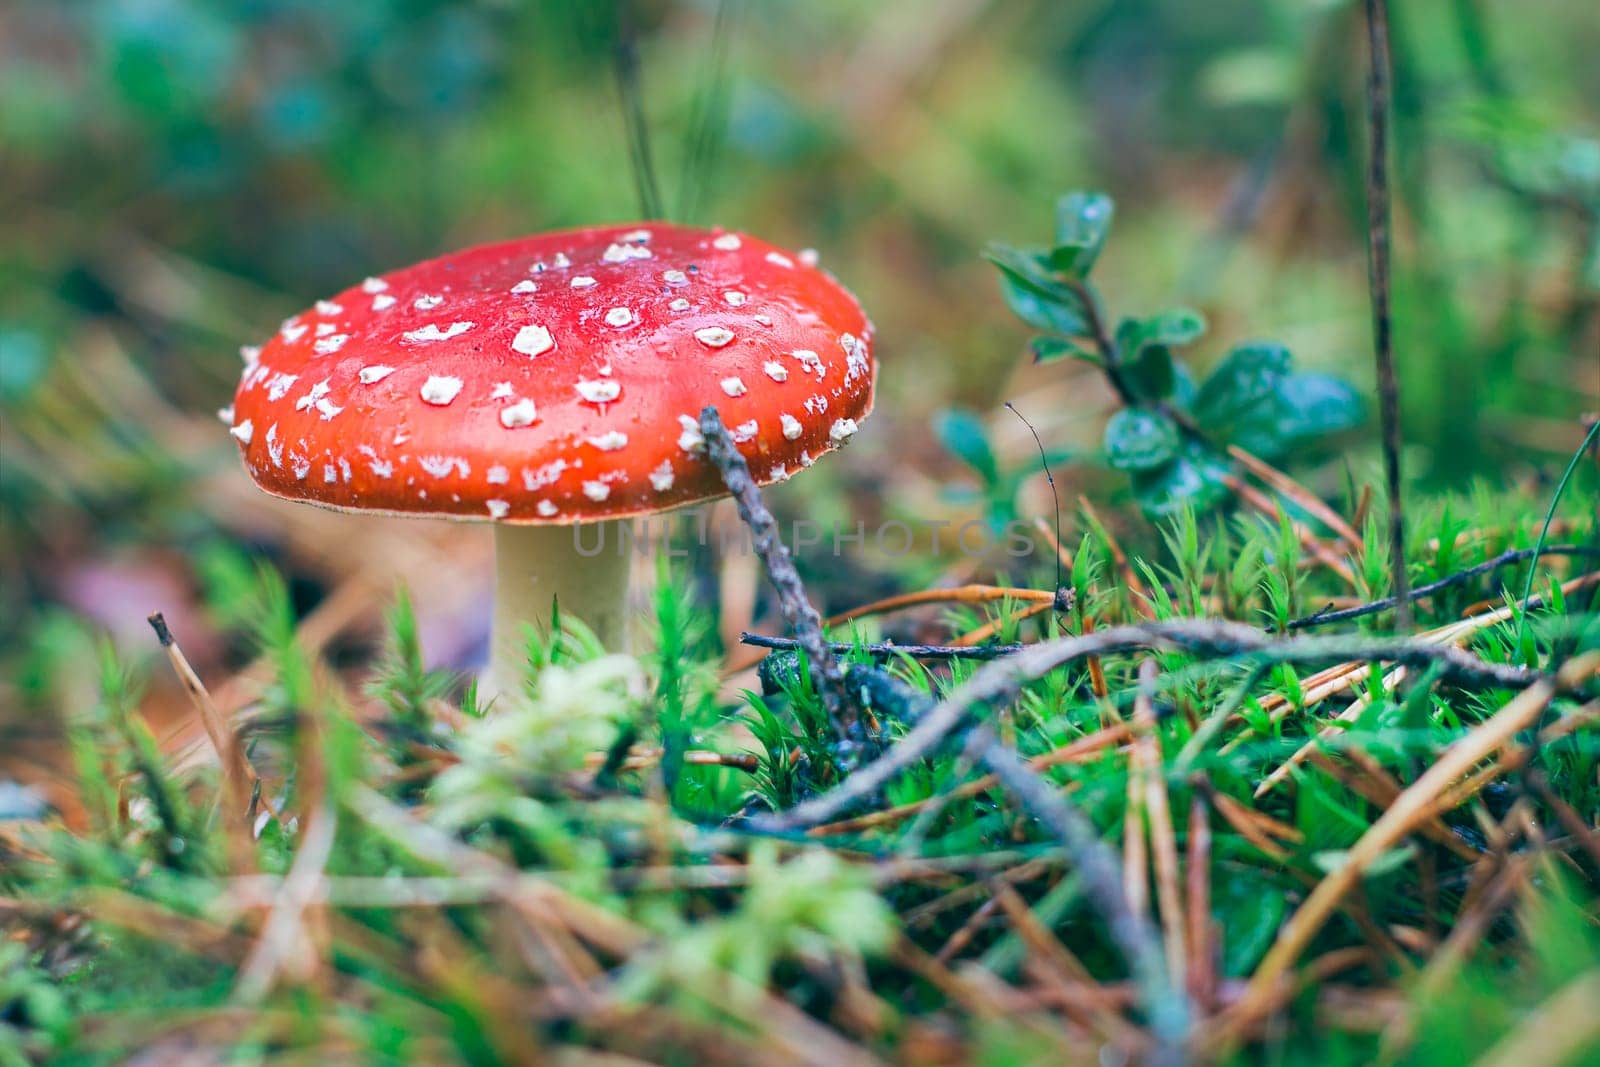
[{"x": 176, "y": 176}]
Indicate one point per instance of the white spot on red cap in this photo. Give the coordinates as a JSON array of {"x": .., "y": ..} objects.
[
  {"x": 599, "y": 391},
  {"x": 776, "y": 371},
  {"x": 497, "y": 475},
  {"x": 745, "y": 431},
  {"x": 244, "y": 431},
  {"x": 498, "y": 509},
  {"x": 728, "y": 242},
  {"x": 674, "y": 277},
  {"x": 661, "y": 477},
  {"x": 596, "y": 491},
  {"x": 621, "y": 253},
  {"x": 680, "y": 304},
  {"x": 546, "y": 508},
  {"x": 383, "y": 302},
  {"x": 619, "y": 317},
  {"x": 545, "y": 475},
  {"x": 279, "y": 384},
  {"x": 533, "y": 341},
  {"x": 251, "y": 354},
  {"x": 809, "y": 257},
  {"x": 691, "y": 439},
  {"x": 274, "y": 446},
  {"x": 525, "y": 286},
  {"x": 328, "y": 307},
  {"x": 432, "y": 332},
  {"x": 374, "y": 285},
  {"x": 780, "y": 473},
  {"x": 323, "y": 329},
  {"x": 735, "y": 298},
  {"x": 375, "y": 373},
  {"x": 440, "y": 389},
  {"x": 791, "y": 426},
  {"x": 778, "y": 259},
  {"x": 327, "y": 346},
  {"x": 427, "y": 302},
  {"x": 441, "y": 466},
  {"x": 855, "y": 352},
  {"x": 502, "y": 391},
  {"x": 582, "y": 281},
  {"x": 292, "y": 331},
  {"x": 810, "y": 361},
  {"x": 842, "y": 430},
  {"x": 610, "y": 441},
  {"x": 817, "y": 404},
  {"x": 327, "y": 409},
  {"x": 734, "y": 386},
  {"x": 714, "y": 336},
  {"x": 522, "y": 413}
]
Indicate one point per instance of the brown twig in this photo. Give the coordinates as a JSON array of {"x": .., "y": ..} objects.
[
  {"x": 1202, "y": 974},
  {"x": 1309, "y": 501},
  {"x": 238, "y": 779},
  {"x": 1148, "y": 766}
]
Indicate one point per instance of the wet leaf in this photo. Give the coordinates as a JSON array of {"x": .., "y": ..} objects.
[
  {"x": 1138, "y": 439},
  {"x": 1247, "y": 374},
  {"x": 964, "y": 435},
  {"x": 1083, "y": 219},
  {"x": 1051, "y": 349}
]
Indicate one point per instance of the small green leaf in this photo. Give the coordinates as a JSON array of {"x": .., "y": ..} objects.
[
  {"x": 1145, "y": 348},
  {"x": 1194, "y": 479},
  {"x": 1083, "y": 219},
  {"x": 1151, "y": 372},
  {"x": 1331, "y": 860},
  {"x": 1301, "y": 408},
  {"x": 1249, "y": 915},
  {"x": 1175, "y": 326},
  {"x": 1050, "y": 349},
  {"x": 1315, "y": 405},
  {"x": 1247, "y": 374},
  {"x": 1138, "y": 439},
  {"x": 1033, "y": 295},
  {"x": 964, "y": 435}
]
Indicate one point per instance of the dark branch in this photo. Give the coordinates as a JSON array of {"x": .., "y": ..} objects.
[
  {"x": 1378, "y": 280},
  {"x": 884, "y": 651},
  {"x": 1510, "y": 556},
  {"x": 1099, "y": 868},
  {"x": 1000, "y": 682},
  {"x": 797, "y": 610}
]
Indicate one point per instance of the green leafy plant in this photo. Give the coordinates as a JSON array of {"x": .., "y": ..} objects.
[
  {"x": 1171, "y": 436},
  {"x": 965, "y": 436}
]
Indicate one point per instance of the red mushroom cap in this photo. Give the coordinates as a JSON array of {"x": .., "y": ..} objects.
[{"x": 557, "y": 378}]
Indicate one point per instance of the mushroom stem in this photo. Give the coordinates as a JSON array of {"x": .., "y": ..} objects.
[{"x": 584, "y": 569}]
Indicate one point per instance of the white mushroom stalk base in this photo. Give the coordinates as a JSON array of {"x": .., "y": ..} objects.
[{"x": 536, "y": 566}]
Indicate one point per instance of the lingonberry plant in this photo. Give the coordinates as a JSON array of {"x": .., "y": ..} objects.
[{"x": 1170, "y": 435}]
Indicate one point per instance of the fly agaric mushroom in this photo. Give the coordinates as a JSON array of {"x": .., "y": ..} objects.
[{"x": 556, "y": 380}]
